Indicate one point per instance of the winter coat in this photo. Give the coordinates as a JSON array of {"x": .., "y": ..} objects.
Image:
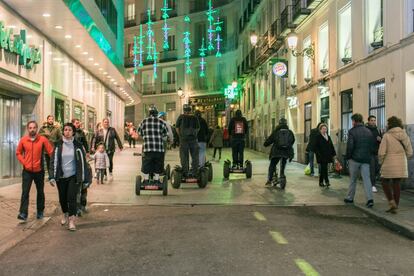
[
  {"x": 359, "y": 146},
  {"x": 277, "y": 152},
  {"x": 202, "y": 134},
  {"x": 324, "y": 149},
  {"x": 375, "y": 133},
  {"x": 112, "y": 135},
  {"x": 81, "y": 138},
  {"x": 51, "y": 132},
  {"x": 30, "y": 153},
  {"x": 82, "y": 171},
  {"x": 217, "y": 138},
  {"x": 393, "y": 153},
  {"x": 232, "y": 126},
  {"x": 101, "y": 160},
  {"x": 312, "y": 138}
]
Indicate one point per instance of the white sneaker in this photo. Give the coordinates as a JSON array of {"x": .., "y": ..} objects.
[
  {"x": 374, "y": 189},
  {"x": 111, "y": 176}
]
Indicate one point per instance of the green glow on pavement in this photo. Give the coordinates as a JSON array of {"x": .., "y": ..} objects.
[
  {"x": 259, "y": 216},
  {"x": 278, "y": 237},
  {"x": 306, "y": 268}
]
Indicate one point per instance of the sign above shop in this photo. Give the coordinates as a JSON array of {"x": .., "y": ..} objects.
[
  {"x": 280, "y": 68},
  {"x": 16, "y": 44}
]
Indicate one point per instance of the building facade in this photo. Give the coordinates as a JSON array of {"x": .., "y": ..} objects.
[
  {"x": 351, "y": 56},
  {"x": 204, "y": 93},
  {"x": 64, "y": 58}
]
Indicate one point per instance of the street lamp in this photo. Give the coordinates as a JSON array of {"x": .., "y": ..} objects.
[
  {"x": 253, "y": 39},
  {"x": 234, "y": 83},
  {"x": 180, "y": 92},
  {"x": 292, "y": 41}
]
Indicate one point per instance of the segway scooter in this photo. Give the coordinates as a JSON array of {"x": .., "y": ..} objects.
[
  {"x": 209, "y": 166},
  {"x": 246, "y": 169},
  {"x": 151, "y": 184},
  {"x": 178, "y": 177}
]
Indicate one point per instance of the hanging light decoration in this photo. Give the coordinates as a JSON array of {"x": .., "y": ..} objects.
[
  {"x": 210, "y": 31},
  {"x": 141, "y": 46},
  {"x": 155, "y": 65},
  {"x": 218, "y": 36},
  {"x": 135, "y": 52},
  {"x": 187, "y": 44},
  {"x": 203, "y": 59},
  {"x": 165, "y": 28},
  {"x": 150, "y": 35}
]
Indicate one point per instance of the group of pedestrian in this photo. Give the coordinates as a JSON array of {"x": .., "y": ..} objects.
[
  {"x": 131, "y": 134},
  {"x": 65, "y": 151}
]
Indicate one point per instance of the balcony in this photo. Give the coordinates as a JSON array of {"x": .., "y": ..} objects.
[
  {"x": 312, "y": 4},
  {"x": 286, "y": 20},
  {"x": 300, "y": 11},
  {"x": 168, "y": 56},
  {"x": 263, "y": 50},
  {"x": 168, "y": 87},
  {"x": 130, "y": 22},
  {"x": 202, "y": 5},
  {"x": 144, "y": 17},
  {"x": 148, "y": 89},
  {"x": 129, "y": 62},
  {"x": 171, "y": 13}
]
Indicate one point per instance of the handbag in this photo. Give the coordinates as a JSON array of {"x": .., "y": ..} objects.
[
  {"x": 338, "y": 167},
  {"x": 307, "y": 170}
]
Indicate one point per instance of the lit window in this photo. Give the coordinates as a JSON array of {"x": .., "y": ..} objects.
[
  {"x": 323, "y": 56},
  {"x": 345, "y": 35},
  {"x": 307, "y": 62},
  {"x": 377, "y": 102},
  {"x": 375, "y": 30}
]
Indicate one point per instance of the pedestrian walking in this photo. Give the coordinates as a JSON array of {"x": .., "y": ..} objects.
[
  {"x": 107, "y": 135},
  {"x": 216, "y": 141},
  {"x": 226, "y": 136},
  {"x": 50, "y": 130},
  {"x": 101, "y": 163},
  {"x": 68, "y": 171},
  {"x": 310, "y": 151},
  {"x": 325, "y": 153},
  {"x": 393, "y": 153},
  {"x": 359, "y": 150},
  {"x": 282, "y": 140},
  {"x": 132, "y": 135},
  {"x": 29, "y": 152},
  {"x": 376, "y": 141},
  {"x": 202, "y": 137},
  {"x": 238, "y": 130}
]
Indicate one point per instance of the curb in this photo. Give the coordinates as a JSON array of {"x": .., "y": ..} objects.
[{"x": 387, "y": 222}]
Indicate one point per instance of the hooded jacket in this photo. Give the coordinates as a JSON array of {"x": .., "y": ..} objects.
[
  {"x": 30, "y": 152},
  {"x": 393, "y": 153},
  {"x": 359, "y": 146},
  {"x": 51, "y": 132}
]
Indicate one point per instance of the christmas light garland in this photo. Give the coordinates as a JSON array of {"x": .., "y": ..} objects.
[
  {"x": 165, "y": 28},
  {"x": 150, "y": 35},
  {"x": 203, "y": 62},
  {"x": 187, "y": 48}
]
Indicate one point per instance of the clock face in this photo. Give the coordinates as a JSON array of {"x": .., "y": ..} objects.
[{"x": 280, "y": 69}]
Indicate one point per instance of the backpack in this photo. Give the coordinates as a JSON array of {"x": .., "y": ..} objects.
[
  {"x": 238, "y": 127},
  {"x": 283, "y": 139}
]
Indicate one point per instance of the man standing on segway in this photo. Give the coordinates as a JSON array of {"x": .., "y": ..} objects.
[
  {"x": 202, "y": 138},
  {"x": 187, "y": 127},
  {"x": 153, "y": 130},
  {"x": 238, "y": 130}
]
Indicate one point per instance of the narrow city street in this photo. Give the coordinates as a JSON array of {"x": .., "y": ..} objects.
[{"x": 233, "y": 227}]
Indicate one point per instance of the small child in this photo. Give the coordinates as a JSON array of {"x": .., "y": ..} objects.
[{"x": 101, "y": 162}]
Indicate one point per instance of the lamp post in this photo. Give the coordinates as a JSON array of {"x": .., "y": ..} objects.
[
  {"x": 180, "y": 94},
  {"x": 292, "y": 41}
]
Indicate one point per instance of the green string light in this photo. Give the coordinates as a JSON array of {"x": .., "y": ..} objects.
[
  {"x": 155, "y": 65},
  {"x": 187, "y": 48},
  {"x": 135, "y": 52},
  {"x": 203, "y": 62},
  {"x": 210, "y": 17},
  {"x": 150, "y": 35},
  {"x": 218, "y": 36},
  {"x": 165, "y": 28}
]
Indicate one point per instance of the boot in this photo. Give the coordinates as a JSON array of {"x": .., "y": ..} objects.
[
  {"x": 64, "y": 219},
  {"x": 393, "y": 207},
  {"x": 72, "y": 226}
]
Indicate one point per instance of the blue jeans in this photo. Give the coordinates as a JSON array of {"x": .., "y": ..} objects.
[
  {"x": 311, "y": 156},
  {"x": 354, "y": 169},
  {"x": 187, "y": 148},
  {"x": 202, "y": 153}
]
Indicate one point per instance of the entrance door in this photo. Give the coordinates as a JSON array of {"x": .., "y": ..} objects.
[{"x": 10, "y": 132}]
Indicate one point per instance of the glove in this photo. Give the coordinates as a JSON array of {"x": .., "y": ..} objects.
[{"x": 52, "y": 182}]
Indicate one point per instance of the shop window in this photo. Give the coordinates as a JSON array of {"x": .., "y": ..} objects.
[
  {"x": 377, "y": 102},
  {"x": 346, "y": 114},
  {"x": 308, "y": 121},
  {"x": 375, "y": 29},
  {"x": 307, "y": 62},
  {"x": 323, "y": 45},
  {"x": 345, "y": 34}
]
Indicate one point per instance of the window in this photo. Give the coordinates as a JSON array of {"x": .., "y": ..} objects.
[
  {"x": 375, "y": 31},
  {"x": 346, "y": 114},
  {"x": 283, "y": 86},
  {"x": 307, "y": 62},
  {"x": 323, "y": 56},
  {"x": 200, "y": 33},
  {"x": 171, "y": 77},
  {"x": 325, "y": 111},
  {"x": 150, "y": 5},
  {"x": 110, "y": 14},
  {"x": 130, "y": 49},
  {"x": 345, "y": 36},
  {"x": 254, "y": 95},
  {"x": 171, "y": 42},
  {"x": 130, "y": 11},
  {"x": 248, "y": 99},
  {"x": 308, "y": 120},
  {"x": 172, "y": 4},
  {"x": 377, "y": 102}
]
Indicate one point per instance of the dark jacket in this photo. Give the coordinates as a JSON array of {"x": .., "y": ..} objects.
[
  {"x": 202, "y": 135},
  {"x": 232, "y": 125},
  {"x": 112, "y": 135},
  {"x": 312, "y": 138},
  {"x": 81, "y": 138},
  {"x": 187, "y": 126},
  {"x": 359, "y": 146},
  {"x": 82, "y": 172},
  {"x": 280, "y": 152},
  {"x": 375, "y": 133},
  {"x": 324, "y": 149}
]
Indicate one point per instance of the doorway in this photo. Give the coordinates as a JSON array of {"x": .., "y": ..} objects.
[{"x": 10, "y": 132}]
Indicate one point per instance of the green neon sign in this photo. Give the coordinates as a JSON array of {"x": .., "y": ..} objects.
[{"x": 16, "y": 44}]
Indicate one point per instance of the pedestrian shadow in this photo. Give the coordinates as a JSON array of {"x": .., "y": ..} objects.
[{"x": 99, "y": 224}]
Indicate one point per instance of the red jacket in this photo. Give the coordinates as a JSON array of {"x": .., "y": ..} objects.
[{"x": 29, "y": 153}]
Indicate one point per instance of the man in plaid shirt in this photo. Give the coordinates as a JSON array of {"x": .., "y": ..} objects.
[{"x": 153, "y": 130}]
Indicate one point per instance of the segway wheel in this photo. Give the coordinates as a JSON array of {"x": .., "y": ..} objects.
[
  {"x": 176, "y": 179},
  {"x": 226, "y": 170},
  {"x": 203, "y": 178},
  {"x": 248, "y": 169},
  {"x": 282, "y": 182},
  {"x": 138, "y": 185},
  {"x": 210, "y": 171},
  {"x": 168, "y": 171},
  {"x": 165, "y": 186}
]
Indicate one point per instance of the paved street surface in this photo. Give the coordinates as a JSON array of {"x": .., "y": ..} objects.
[{"x": 233, "y": 227}]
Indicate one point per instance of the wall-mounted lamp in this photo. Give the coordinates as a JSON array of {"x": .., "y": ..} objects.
[
  {"x": 180, "y": 93},
  {"x": 253, "y": 38},
  {"x": 234, "y": 83},
  {"x": 292, "y": 41}
]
